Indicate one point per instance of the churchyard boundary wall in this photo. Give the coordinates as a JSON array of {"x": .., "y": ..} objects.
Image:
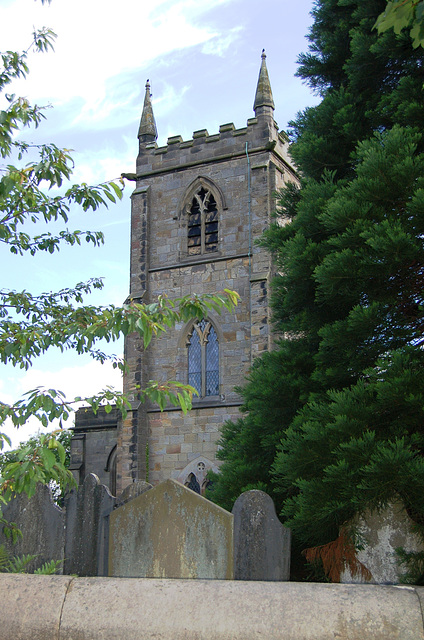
[{"x": 66, "y": 608}]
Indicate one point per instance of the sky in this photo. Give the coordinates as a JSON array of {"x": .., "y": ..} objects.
[{"x": 202, "y": 58}]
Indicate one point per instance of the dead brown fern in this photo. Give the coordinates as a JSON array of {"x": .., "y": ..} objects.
[{"x": 337, "y": 555}]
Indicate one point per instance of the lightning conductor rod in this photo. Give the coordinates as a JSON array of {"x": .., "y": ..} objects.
[{"x": 249, "y": 204}]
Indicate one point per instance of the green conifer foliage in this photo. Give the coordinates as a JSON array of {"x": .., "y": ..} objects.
[{"x": 339, "y": 405}]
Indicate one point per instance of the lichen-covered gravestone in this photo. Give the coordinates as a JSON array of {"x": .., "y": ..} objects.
[
  {"x": 42, "y": 526},
  {"x": 132, "y": 491},
  {"x": 261, "y": 542},
  {"x": 379, "y": 534},
  {"x": 86, "y": 510},
  {"x": 171, "y": 532}
]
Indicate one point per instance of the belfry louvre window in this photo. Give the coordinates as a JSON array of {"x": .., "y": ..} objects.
[
  {"x": 203, "y": 359},
  {"x": 202, "y": 224}
]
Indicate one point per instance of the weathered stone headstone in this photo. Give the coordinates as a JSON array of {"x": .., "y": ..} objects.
[
  {"x": 380, "y": 534},
  {"x": 171, "y": 532},
  {"x": 132, "y": 491},
  {"x": 85, "y": 544},
  {"x": 261, "y": 542},
  {"x": 42, "y": 525}
]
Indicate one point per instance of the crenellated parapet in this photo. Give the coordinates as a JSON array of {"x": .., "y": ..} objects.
[
  {"x": 260, "y": 135},
  {"x": 203, "y": 148}
]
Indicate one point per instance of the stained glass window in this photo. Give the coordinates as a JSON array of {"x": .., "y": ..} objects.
[
  {"x": 203, "y": 359},
  {"x": 195, "y": 362},
  {"x": 202, "y": 224},
  {"x": 212, "y": 369}
]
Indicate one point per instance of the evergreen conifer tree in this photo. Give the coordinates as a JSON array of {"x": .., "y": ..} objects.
[{"x": 334, "y": 417}]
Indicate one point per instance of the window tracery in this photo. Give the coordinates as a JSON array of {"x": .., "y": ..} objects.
[
  {"x": 193, "y": 484},
  {"x": 203, "y": 359},
  {"x": 202, "y": 223},
  {"x": 197, "y": 479}
]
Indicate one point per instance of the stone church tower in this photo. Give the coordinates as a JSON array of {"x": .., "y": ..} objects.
[{"x": 198, "y": 207}]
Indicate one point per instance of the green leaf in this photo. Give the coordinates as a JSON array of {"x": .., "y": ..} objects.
[
  {"x": 61, "y": 452},
  {"x": 48, "y": 458}
]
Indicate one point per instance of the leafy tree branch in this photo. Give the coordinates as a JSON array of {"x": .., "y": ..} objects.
[
  {"x": 403, "y": 14},
  {"x": 332, "y": 422},
  {"x": 34, "y": 190}
]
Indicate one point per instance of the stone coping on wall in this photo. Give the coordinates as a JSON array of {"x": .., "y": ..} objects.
[{"x": 66, "y": 608}]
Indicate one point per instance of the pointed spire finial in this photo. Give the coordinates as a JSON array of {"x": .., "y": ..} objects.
[
  {"x": 147, "y": 131},
  {"x": 263, "y": 97}
]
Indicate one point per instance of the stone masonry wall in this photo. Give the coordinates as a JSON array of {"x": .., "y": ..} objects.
[
  {"x": 244, "y": 186},
  {"x": 177, "y": 439},
  {"x": 93, "y": 444}
]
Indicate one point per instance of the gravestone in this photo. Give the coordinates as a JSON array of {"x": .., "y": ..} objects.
[
  {"x": 86, "y": 534},
  {"x": 42, "y": 525},
  {"x": 379, "y": 534},
  {"x": 132, "y": 491},
  {"x": 261, "y": 542},
  {"x": 171, "y": 532}
]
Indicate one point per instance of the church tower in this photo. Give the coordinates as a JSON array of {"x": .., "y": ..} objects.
[{"x": 197, "y": 209}]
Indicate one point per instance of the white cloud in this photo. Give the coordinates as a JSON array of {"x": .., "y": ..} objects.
[
  {"x": 91, "y": 377},
  {"x": 169, "y": 99},
  {"x": 94, "y": 166},
  {"x": 104, "y": 42},
  {"x": 220, "y": 44},
  {"x": 108, "y": 107},
  {"x": 73, "y": 381},
  {"x": 104, "y": 53}
]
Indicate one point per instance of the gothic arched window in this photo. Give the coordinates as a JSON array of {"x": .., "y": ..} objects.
[
  {"x": 202, "y": 223},
  {"x": 193, "y": 484},
  {"x": 197, "y": 479},
  {"x": 203, "y": 359}
]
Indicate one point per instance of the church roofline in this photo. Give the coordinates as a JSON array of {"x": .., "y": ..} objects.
[
  {"x": 148, "y": 133},
  {"x": 260, "y": 134}
]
